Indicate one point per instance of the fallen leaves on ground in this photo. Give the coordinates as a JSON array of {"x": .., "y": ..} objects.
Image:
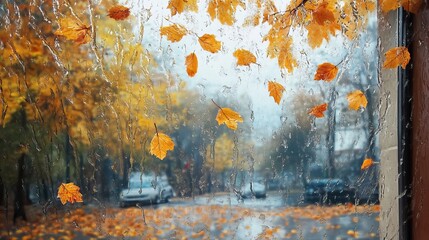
[
  {"x": 244, "y": 57},
  {"x": 160, "y": 145},
  {"x": 356, "y": 100},
  {"x": 119, "y": 12},
  {"x": 319, "y": 110},
  {"x": 398, "y": 56},
  {"x": 174, "y": 33},
  {"x": 209, "y": 43},
  {"x": 74, "y": 30},
  {"x": 228, "y": 117},
  {"x": 276, "y": 91},
  {"x": 367, "y": 163},
  {"x": 68, "y": 192},
  {"x": 326, "y": 71},
  {"x": 191, "y": 64}
]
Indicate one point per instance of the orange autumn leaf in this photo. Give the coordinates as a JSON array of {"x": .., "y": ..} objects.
[
  {"x": 323, "y": 15},
  {"x": 276, "y": 91},
  {"x": 367, "y": 163},
  {"x": 224, "y": 10},
  {"x": 160, "y": 144},
  {"x": 119, "y": 12},
  {"x": 209, "y": 43},
  {"x": 319, "y": 110},
  {"x": 179, "y": 6},
  {"x": 326, "y": 71},
  {"x": 356, "y": 100},
  {"x": 397, "y": 56},
  {"x": 174, "y": 33},
  {"x": 73, "y": 30},
  {"x": 412, "y": 6},
  {"x": 228, "y": 117},
  {"x": 191, "y": 64},
  {"x": 244, "y": 57},
  {"x": 68, "y": 192}
]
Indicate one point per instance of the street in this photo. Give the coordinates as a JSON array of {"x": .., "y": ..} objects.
[{"x": 219, "y": 216}]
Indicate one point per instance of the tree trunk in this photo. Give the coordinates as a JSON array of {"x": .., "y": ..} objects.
[
  {"x": 2, "y": 193},
  {"x": 331, "y": 135},
  {"x": 68, "y": 156},
  {"x": 19, "y": 210}
]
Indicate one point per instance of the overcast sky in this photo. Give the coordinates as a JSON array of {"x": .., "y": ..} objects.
[{"x": 218, "y": 76}]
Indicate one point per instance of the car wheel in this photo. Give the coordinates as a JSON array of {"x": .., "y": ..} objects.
[{"x": 121, "y": 204}]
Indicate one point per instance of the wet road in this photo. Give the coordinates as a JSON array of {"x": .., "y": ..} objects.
[{"x": 219, "y": 216}]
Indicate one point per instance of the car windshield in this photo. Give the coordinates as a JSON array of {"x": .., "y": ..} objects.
[{"x": 140, "y": 184}]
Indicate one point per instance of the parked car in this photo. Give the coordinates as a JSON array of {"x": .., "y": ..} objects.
[
  {"x": 141, "y": 191},
  {"x": 166, "y": 191},
  {"x": 328, "y": 191},
  {"x": 253, "y": 189}
]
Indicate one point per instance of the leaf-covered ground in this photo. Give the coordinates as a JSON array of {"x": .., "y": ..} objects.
[{"x": 194, "y": 222}]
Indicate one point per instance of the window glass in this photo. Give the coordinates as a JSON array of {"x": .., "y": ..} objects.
[{"x": 189, "y": 119}]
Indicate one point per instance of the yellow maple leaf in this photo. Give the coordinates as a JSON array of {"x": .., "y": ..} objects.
[
  {"x": 244, "y": 57},
  {"x": 119, "y": 12},
  {"x": 276, "y": 91},
  {"x": 173, "y": 32},
  {"x": 68, "y": 192},
  {"x": 160, "y": 144},
  {"x": 397, "y": 56},
  {"x": 224, "y": 10},
  {"x": 209, "y": 43},
  {"x": 357, "y": 99},
  {"x": 326, "y": 72},
  {"x": 178, "y": 6},
  {"x": 367, "y": 163},
  {"x": 319, "y": 110},
  {"x": 73, "y": 30},
  {"x": 228, "y": 117},
  {"x": 191, "y": 64}
]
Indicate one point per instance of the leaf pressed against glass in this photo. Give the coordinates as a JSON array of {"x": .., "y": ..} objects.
[
  {"x": 398, "y": 56},
  {"x": 276, "y": 91},
  {"x": 326, "y": 72},
  {"x": 160, "y": 145},
  {"x": 367, "y": 163},
  {"x": 356, "y": 100},
  {"x": 174, "y": 33},
  {"x": 73, "y": 30},
  {"x": 191, "y": 64},
  {"x": 119, "y": 12},
  {"x": 179, "y": 6},
  {"x": 319, "y": 110},
  {"x": 228, "y": 117},
  {"x": 224, "y": 10},
  {"x": 209, "y": 43},
  {"x": 244, "y": 57},
  {"x": 68, "y": 192}
]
